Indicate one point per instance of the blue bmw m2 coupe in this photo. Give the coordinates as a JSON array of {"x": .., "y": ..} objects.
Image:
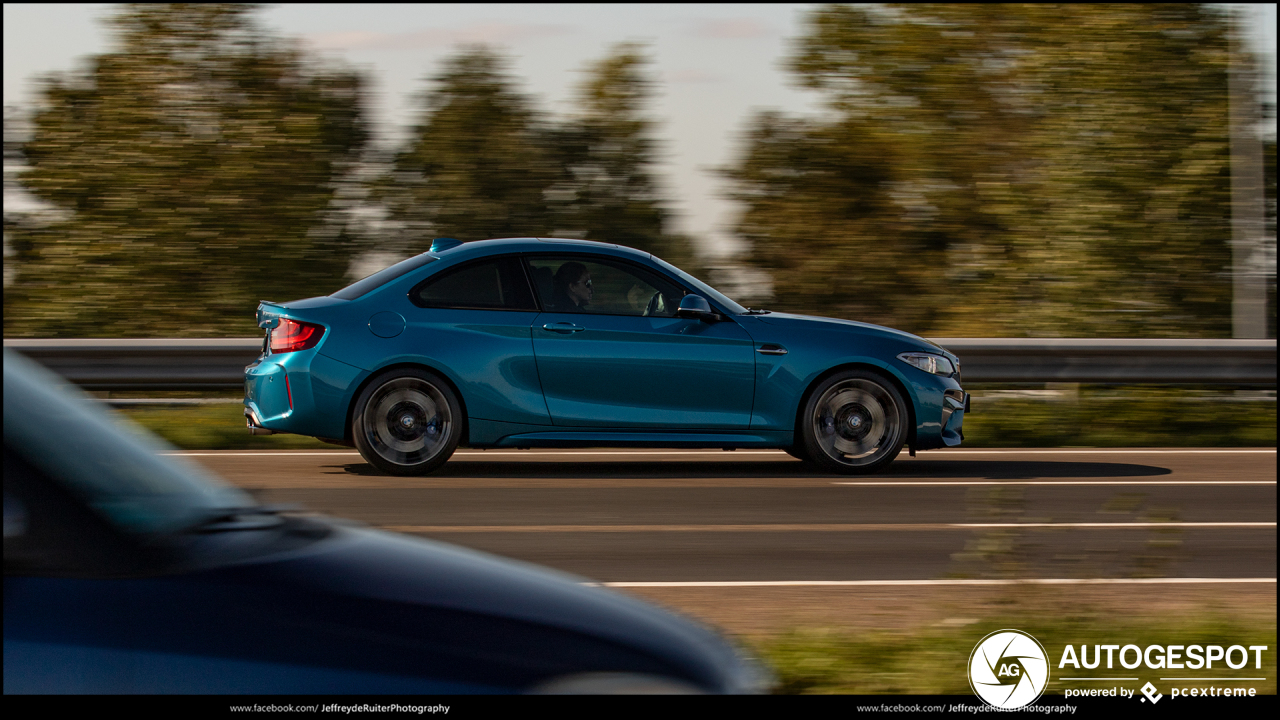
[{"x": 540, "y": 342}]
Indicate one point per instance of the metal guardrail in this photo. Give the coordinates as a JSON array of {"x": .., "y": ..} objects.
[
  {"x": 219, "y": 363},
  {"x": 1115, "y": 361},
  {"x": 131, "y": 364}
]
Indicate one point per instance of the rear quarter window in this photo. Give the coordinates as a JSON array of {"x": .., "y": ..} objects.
[
  {"x": 384, "y": 276},
  {"x": 490, "y": 284}
]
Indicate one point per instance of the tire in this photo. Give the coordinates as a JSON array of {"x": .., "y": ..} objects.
[
  {"x": 407, "y": 422},
  {"x": 854, "y": 422}
]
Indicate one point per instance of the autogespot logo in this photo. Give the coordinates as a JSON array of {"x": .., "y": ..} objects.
[{"x": 1008, "y": 669}]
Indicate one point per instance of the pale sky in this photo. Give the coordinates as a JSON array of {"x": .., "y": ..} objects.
[{"x": 716, "y": 65}]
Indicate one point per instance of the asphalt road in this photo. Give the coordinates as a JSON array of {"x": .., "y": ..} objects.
[{"x": 762, "y": 517}]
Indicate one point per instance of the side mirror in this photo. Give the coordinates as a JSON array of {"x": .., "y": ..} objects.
[{"x": 696, "y": 306}]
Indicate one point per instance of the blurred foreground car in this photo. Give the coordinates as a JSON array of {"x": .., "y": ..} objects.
[
  {"x": 127, "y": 571},
  {"x": 568, "y": 343}
]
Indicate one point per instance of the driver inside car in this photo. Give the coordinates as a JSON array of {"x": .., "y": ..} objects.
[{"x": 573, "y": 290}]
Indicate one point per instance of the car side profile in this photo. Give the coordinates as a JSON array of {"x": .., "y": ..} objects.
[
  {"x": 131, "y": 571},
  {"x": 540, "y": 342}
]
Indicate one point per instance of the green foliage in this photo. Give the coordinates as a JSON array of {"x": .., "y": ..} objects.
[
  {"x": 981, "y": 170},
  {"x": 477, "y": 165},
  {"x": 997, "y": 170},
  {"x": 933, "y": 660},
  {"x": 1126, "y": 417},
  {"x": 608, "y": 192},
  {"x": 1269, "y": 182},
  {"x": 193, "y": 170},
  {"x": 482, "y": 163},
  {"x": 212, "y": 427}
]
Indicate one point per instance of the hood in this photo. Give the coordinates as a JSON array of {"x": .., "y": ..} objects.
[
  {"x": 486, "y": 616},
  {"x": 810, "y": 322}
]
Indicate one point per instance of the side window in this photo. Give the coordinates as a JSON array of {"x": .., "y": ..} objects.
[
  {"x": 578, "y": 284},
  {"x": 491, "y": 284}
]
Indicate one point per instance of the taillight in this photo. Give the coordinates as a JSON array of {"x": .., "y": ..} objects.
[{"x": 293, "y": 335}]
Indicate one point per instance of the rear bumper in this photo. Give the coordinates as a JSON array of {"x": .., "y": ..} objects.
[
  {"x": 304, "y": 392},
  {"x": 255, "y": 425}
]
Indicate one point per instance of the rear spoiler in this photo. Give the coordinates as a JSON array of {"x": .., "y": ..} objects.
[{"x": 269, "y": 314}]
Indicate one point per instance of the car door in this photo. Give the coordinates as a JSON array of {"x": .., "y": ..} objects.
[
  {"x": 620, "y": 358},
  {"x": 474, "y": 319}
]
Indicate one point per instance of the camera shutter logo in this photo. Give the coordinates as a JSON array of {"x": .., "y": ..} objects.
[{"x": 1008, "y": 669}]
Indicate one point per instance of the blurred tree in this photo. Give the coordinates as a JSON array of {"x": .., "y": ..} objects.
[
  {"x": 997, "y": 170},
  {"x": 479, "y": 164},
  {"x": 483, "y": 163},
  {"x": 192, "y": 172},
  {"x": 1269, "y": 181},
  {"x": 608, "y": 191}
]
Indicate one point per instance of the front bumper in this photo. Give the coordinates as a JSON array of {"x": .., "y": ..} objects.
[{"x": 955, "y": 403}]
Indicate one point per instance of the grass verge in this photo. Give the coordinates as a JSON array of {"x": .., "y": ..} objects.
[
  {"x": 1122, "y": 417},
  {"x": 933, "y": 660},
  {"x": 212, "y": 427}
]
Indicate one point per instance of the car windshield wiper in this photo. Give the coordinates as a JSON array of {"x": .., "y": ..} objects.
[
  {"x": 757, "y": 311},
  {"x": 252, "y": 517}
]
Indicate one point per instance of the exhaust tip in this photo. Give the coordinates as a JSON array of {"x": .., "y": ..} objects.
[{"x": 255, "y": 428}]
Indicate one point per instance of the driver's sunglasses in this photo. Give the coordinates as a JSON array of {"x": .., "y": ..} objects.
[{"x": 587, "y": 283}]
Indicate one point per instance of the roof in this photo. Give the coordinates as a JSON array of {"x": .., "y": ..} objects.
[{"x": 479, "y": 248}]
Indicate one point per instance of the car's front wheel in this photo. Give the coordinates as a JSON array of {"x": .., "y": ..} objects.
[
  {"x": 854, "y": 422},
  {"x": 407, "y": 422}
]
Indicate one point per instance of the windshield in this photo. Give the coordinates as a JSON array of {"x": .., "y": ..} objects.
[
  {"x": 383, "y": 276},
  {"x": 707, "y": 291},
  {"x": 115, "y": 468}
]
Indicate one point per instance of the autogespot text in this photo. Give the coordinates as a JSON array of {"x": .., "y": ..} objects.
[{"x": 1160, "y": 657}]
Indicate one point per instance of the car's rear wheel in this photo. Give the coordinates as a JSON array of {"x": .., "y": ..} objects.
[
  {"x": 407, "y": 422},
  {"x": 854, "y": 422}
]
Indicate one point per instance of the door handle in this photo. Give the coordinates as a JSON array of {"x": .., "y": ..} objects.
[
  {"x": 563, "y": 328},
  {"x": 771, "y": 349}
]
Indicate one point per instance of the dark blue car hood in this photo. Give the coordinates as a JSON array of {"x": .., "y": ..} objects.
[
  {"x": 355, "y": 611},
  {"x": 362, "y": 566}
]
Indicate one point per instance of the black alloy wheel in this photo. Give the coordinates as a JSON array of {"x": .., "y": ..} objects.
[
  {"x": 854, "y": 422},
  {"x": 407, "y": 422}
]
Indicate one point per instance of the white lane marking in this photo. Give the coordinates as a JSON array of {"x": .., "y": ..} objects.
[
  {"x": 932, "y": 453},
  {"x": 185, "y": 453},
  {"x": 261, "y": 454},
  {"x": 892, "y": 583},
  {"x": 1121, "y": 451},
  {"x": 864, "y": 483},
  {"x": 910, "y": 483},
  {"x": 717, "y": 453},
  {"x": 1120, "y": 525},
  {"x": 818, "y": 527},
  {"x": 722, "y": 453},
  {"x": 516, "y": 453}
]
